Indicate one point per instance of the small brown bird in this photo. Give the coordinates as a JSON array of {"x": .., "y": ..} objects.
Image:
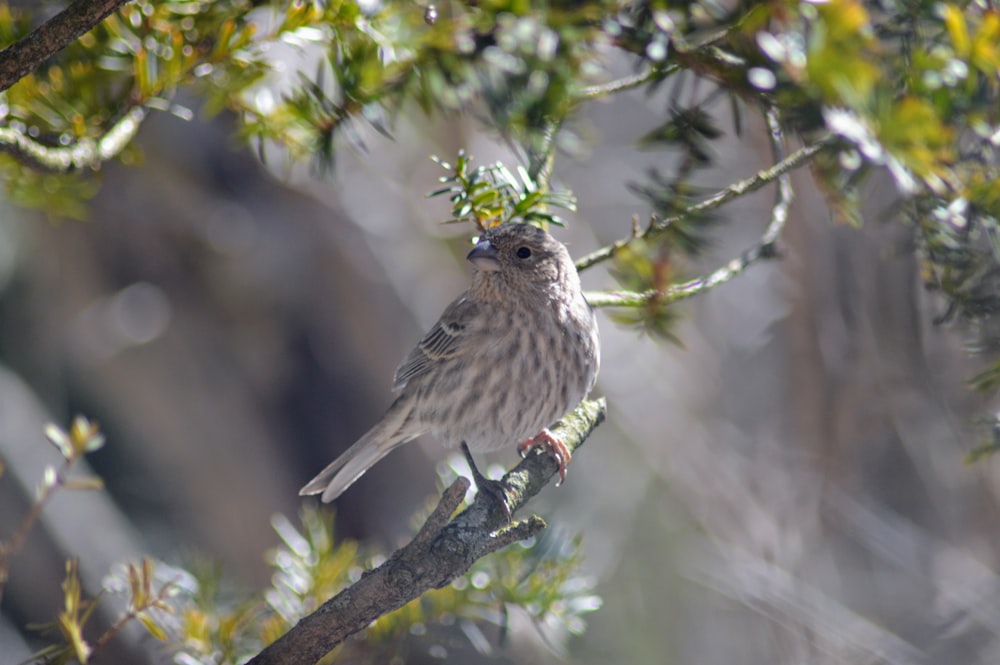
[{"x": 508, "y": 358}]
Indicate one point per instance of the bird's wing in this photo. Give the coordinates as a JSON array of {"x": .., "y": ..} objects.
[{"x": 442, "y": 341}]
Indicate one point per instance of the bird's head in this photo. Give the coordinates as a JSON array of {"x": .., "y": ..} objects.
[{"x": 520, "y": 255}]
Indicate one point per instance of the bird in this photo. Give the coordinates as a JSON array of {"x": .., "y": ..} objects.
[{"x": 507, "y": 358}]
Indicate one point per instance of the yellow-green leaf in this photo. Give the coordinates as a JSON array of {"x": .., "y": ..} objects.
[
  {"x": 155, "y": 629},
  {"x": 954, "y": 21}
]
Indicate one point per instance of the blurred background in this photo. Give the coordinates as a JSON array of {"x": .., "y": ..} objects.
[{"x": 785, "y": 486}]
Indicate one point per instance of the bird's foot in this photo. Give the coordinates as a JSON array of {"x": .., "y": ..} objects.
[
  {"x": 494, "y": 488},
  {"x": 553, "y": 446}
]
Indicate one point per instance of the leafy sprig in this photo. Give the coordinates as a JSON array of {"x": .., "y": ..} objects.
[{"x": 490, "y": 195}]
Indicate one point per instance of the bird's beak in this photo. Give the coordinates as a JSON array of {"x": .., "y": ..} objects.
[{"x": 484, "y": 257}]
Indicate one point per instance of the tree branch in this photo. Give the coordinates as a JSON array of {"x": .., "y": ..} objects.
[
  {"x": 86, "y": 153},
  {"x": 717, "y": 200},
  {"x": 765, "y": 248},
  {"x": 23, "y": 57},
  {"x": 441, "y": 551}
]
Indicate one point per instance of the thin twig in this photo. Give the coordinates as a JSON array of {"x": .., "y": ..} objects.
[
  {"x": 86, "y": 153},
  {"x": 542, "y": 159},
  {"x": 12, "y": 546},
  {"x": 24, "y": 56},
  {"x": 720, "y": 198},
  {"x": 118, "y": 625},
  {"x": 627, "y": 83},
  {"x": 765, "y": 248},
  {"x": 682, "y": 45},
  {"x": 783, "y": 197}
]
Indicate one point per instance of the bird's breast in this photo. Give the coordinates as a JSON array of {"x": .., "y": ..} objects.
[{"x": 523, "y": 371}]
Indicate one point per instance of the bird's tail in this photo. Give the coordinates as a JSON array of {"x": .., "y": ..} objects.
[{"x": 341, "y": 473}]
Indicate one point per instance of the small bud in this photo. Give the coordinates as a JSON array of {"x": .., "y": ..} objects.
[
  {"x": 49, "y": 478},
  {"x": 85, "y": 436}
]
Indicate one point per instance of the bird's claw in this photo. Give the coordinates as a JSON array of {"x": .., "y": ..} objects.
[{"x": 553, "y": 446}]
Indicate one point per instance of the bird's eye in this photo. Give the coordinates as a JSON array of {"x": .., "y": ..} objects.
[{"x": 523, "y": 252}]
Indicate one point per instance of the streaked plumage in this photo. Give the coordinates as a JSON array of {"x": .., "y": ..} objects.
[{"x": 508, "y": 358}]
